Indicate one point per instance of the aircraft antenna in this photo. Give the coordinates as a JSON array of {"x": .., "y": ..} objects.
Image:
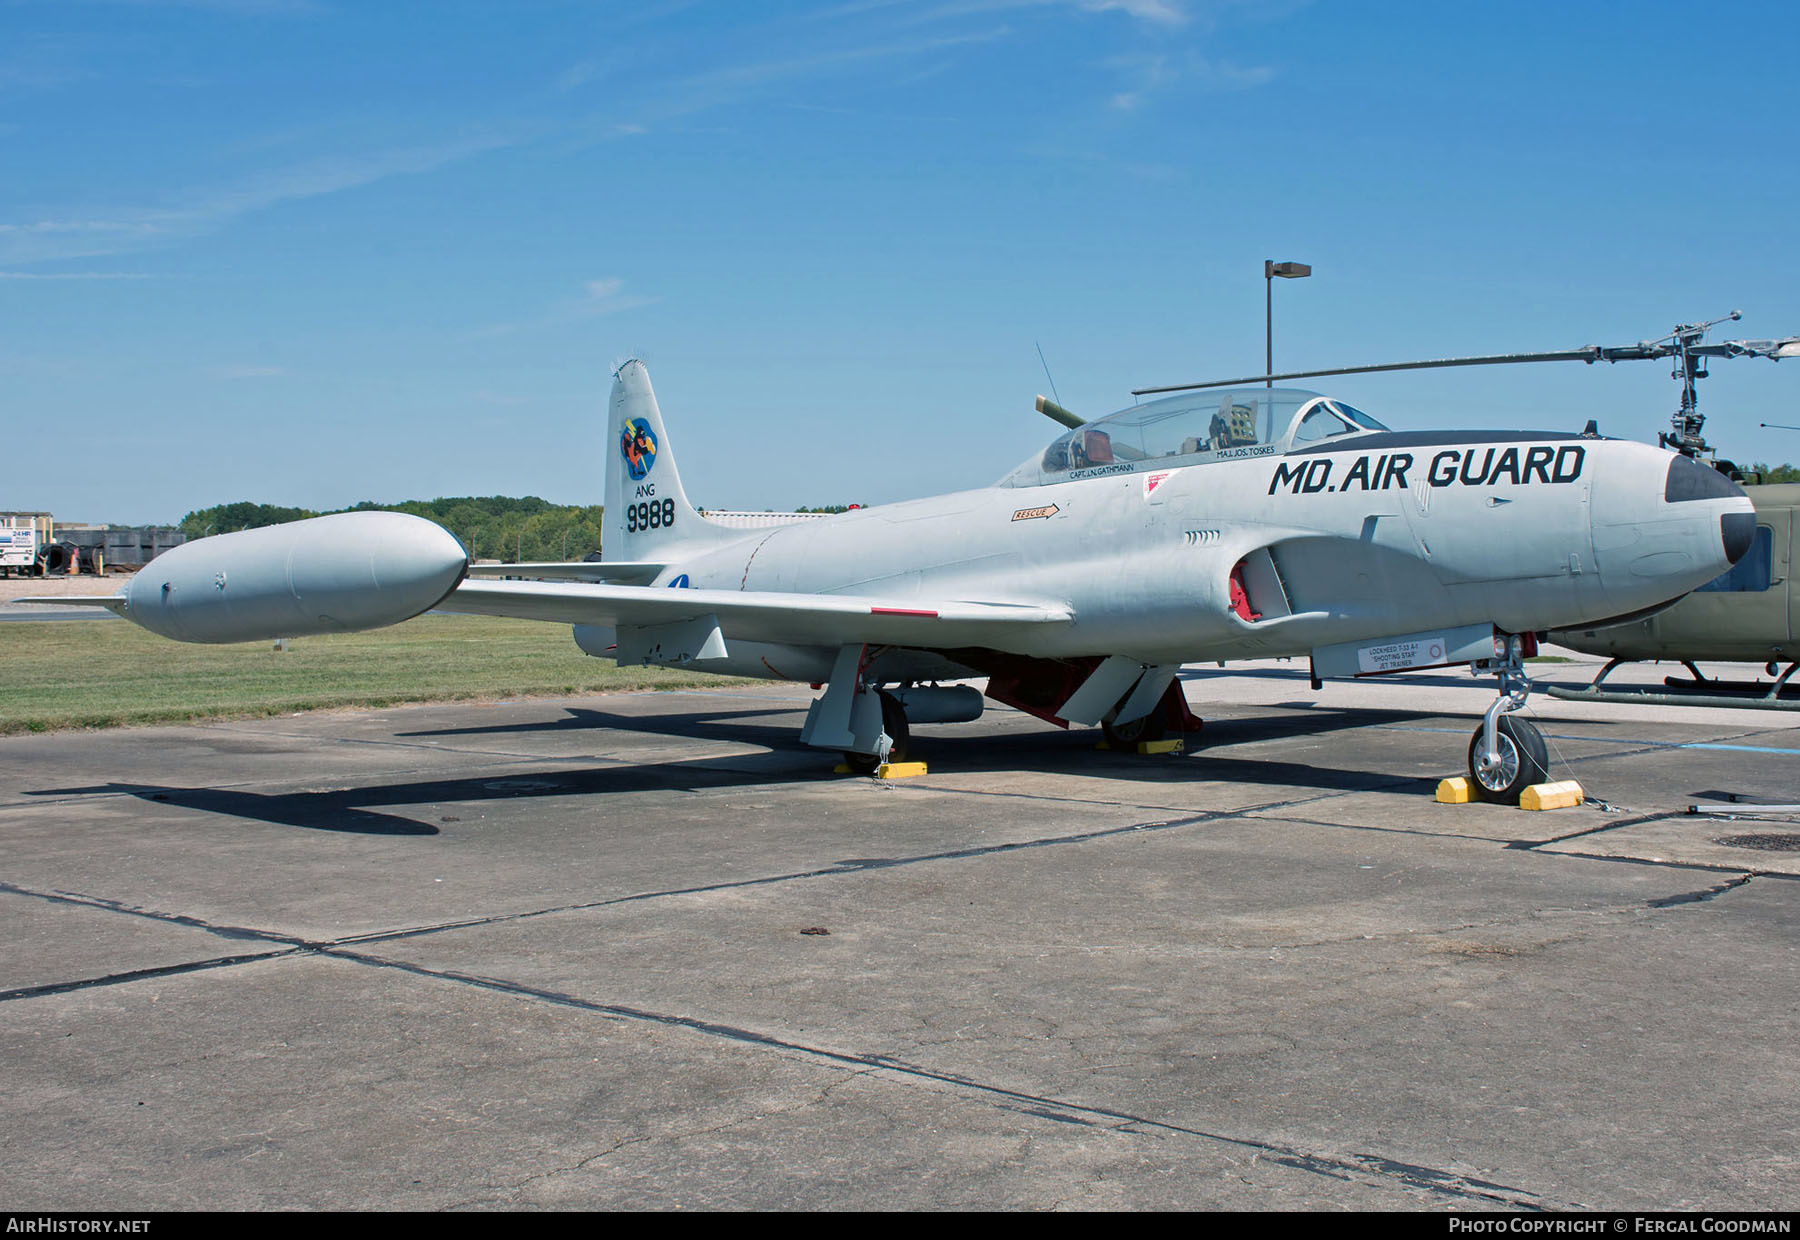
[{"x": 1054, "y": 394}]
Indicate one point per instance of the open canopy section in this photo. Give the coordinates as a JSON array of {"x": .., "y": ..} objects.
[{"x": 1194, "y": 428}]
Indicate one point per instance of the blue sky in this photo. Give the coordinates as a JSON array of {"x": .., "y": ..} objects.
[{"x": 312, "y": 252}]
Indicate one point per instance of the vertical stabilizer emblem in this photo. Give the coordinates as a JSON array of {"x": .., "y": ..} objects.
[{"x": 637, "y": 444}]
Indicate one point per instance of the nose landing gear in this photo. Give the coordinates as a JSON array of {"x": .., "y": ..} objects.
[{"x": 1507, "y": 755}]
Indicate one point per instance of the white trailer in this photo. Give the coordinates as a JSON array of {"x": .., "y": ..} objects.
[{"x": 22, "y": 535}]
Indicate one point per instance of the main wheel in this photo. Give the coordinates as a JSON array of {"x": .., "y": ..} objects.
[
  {"x": 893, "y": 722},
  {"x": 1523, "y": 761},
  {"x": 1150, "y": 727}
]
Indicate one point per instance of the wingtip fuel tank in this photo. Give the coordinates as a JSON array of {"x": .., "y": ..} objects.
[{"x": 333, "y": 574}]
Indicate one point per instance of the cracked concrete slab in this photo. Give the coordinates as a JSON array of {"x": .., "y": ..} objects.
[{"x": 156, "y": 1096}]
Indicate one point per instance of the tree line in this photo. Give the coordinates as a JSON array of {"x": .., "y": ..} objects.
[{"x": 492, "y": 527}]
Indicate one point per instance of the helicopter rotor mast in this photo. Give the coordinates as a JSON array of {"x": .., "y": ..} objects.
[{"x": 1686, "y": 345}]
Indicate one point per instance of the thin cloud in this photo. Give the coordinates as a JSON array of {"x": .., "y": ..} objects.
[
  {"x": 1155, "y": 73},
  {"x": 602, "y": 296},
  {"x": 760, "y": 73},
  {"x": 728, "y": 85},
  {"x": 1162, "y": 12},
  {"x": 134, "y": 228}
]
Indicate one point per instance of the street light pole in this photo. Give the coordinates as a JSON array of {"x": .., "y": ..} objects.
[{"x": 1287, "y": 271}]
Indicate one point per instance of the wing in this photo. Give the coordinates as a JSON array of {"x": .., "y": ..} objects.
[
  {"x": 765, "y": 616},
  {"x": 628, "y": 572}
]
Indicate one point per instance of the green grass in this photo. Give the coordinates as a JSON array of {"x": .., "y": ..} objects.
[{"x": 106, "y": 673}]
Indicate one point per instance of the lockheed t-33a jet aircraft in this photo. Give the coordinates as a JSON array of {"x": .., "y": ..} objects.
[{"x": 1219, "y": 525}]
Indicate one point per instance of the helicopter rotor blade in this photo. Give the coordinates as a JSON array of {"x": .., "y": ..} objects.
[
  {"x": 1592, "y": 353},
  {"x": 1644, "y": 350}
]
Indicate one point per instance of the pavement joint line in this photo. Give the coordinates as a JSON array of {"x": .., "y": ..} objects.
[
  {"x": 1703, "y": 895},
  {"x": 857, "y": 866},
  {"x": 1704, "y": 867},
  {"x": 932, "y": 786},
  {"x": 1414, "y": 831},
  {"x": 139, "y": 975},
  {"x": 102, "y": 904},
  {"x": 836, "y": 869},
  {"x": 1597, "y": 829},
  {"x": 1382, "y": 1170}
]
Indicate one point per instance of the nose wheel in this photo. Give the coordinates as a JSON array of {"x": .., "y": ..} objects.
[{"x": 1520, "y": 760}]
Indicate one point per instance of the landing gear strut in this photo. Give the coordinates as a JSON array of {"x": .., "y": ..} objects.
[{"x": 1507, "y": 755}]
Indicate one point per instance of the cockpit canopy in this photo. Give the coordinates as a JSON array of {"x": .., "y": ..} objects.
[{"x": 1192, "y": 428}]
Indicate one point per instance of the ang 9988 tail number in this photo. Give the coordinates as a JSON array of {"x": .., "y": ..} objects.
[{"x": 650, "y": 515}]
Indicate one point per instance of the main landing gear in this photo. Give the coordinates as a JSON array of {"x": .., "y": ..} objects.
[
  {"x": 871, "y": 725},
  {"x": 1507, "y": 755},
  {"x": 895, "y": 731},
  {"x": 1143, "y": 730}
]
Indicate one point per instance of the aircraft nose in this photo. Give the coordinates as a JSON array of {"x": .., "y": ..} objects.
[
  {"x": 1736, "y": 530},
  {"x": 1663, "y": 524},
  {"x": 1688, "y": 480}
]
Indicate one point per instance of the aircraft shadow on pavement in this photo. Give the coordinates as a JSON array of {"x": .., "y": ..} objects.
[
  {"x": 698, "y": 724},
  {"x": 364, "y": 810},
  {"x": 360, "y": 810},
  {"x": 1296, "y": 721},
  {"x": 1074, "y": 755}
]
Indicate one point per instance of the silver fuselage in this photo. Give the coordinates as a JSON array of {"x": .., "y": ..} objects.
[{"x": 1387, "y": 533}]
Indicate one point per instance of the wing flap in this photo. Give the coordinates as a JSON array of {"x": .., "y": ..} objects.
[
  {"x": 824, "y": 619},
  {"x": 624, "y": 572}
]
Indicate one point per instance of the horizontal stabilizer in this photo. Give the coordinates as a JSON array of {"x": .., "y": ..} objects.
[
  {"x": 769, "y": 616},
  {"x": 626, "y": 572}
]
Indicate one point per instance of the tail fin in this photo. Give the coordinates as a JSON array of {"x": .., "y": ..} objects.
[{"x": 647, "y": 516}]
